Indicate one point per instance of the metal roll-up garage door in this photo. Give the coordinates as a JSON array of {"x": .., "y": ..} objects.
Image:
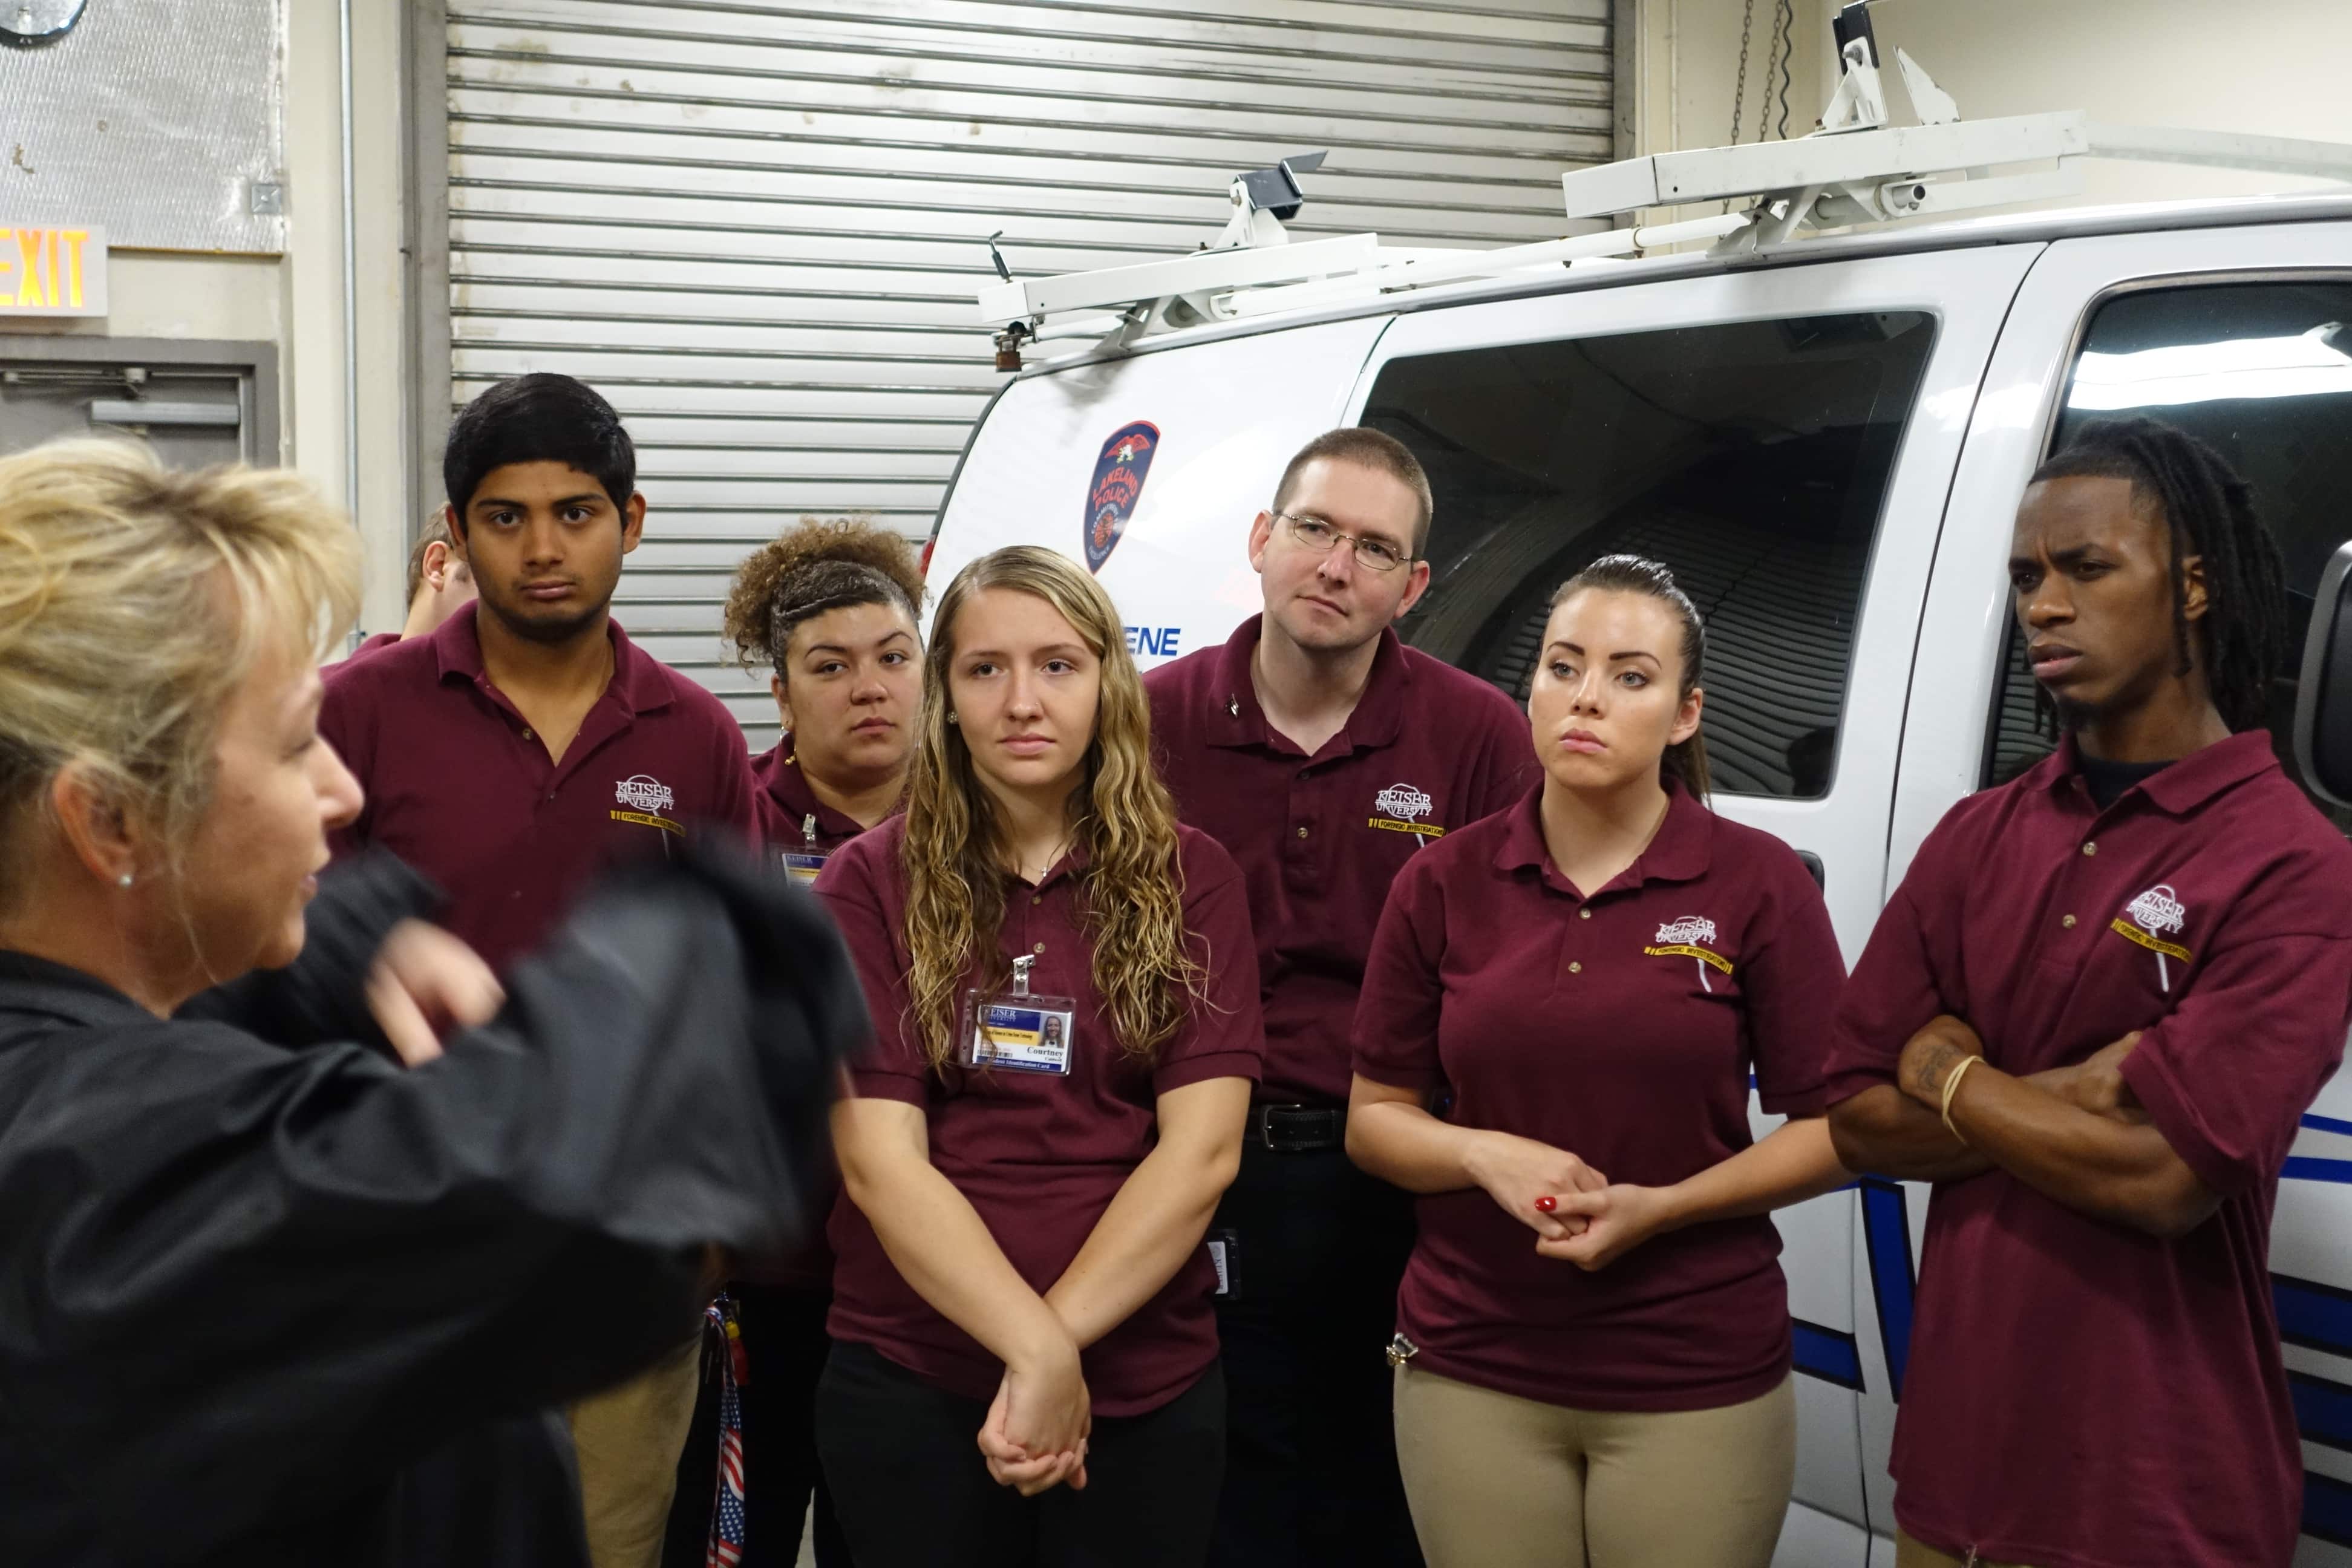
[{"x": 757, "y": 227}]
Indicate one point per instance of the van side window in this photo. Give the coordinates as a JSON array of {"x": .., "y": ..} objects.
[
  {"x": 2263, "y": 372},
  {"x": 1753, "y": 458}
]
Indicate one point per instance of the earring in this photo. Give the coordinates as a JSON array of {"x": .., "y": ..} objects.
[
  {"x": 123, "y": 880},
  {"x": 952, "y": 718}
]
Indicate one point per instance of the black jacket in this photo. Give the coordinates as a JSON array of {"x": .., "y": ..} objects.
[{"x": 268, "y": 1300}]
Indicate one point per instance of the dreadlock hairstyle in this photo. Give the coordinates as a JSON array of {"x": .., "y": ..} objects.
[
  {"x": 2209, "y": 512},
  {"x": 1685, "y": 761},
  {"x": 818, "y": 566},
  {"x": 1121, "y": 816}
]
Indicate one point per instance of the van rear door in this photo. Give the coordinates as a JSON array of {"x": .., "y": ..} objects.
[{"x": 1784, "y": 439}]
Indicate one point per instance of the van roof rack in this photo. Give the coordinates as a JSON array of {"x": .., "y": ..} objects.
[{"x": 1855, "y": 168}]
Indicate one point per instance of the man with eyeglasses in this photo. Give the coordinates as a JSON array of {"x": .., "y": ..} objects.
[{"x": 1322, "y": 754}]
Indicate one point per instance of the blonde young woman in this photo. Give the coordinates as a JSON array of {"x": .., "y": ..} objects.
[
  {"x": 1065, "y": 994},
  {"x": 267, "y": 1297}
]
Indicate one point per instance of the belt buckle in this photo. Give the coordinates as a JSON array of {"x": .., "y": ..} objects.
[{"x": 1280, "y": 1143}]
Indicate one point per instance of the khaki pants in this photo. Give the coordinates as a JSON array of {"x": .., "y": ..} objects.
[
  {"x": 1497, "y": 1481},
  {"x": 1910, "y": 1553},
  {"x": 629, "y": 1440}
]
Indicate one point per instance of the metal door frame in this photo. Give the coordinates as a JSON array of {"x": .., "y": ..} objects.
[{"x": 254, "y": 363}]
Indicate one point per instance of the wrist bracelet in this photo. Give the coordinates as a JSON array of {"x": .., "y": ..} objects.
[{"x": 1951, "y": 1086}]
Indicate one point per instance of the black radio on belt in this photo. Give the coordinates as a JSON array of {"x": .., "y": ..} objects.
[{"x": 1297, "y": 1129}]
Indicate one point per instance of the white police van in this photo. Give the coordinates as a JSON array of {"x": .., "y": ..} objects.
[{"x": 1826, "y": 439}]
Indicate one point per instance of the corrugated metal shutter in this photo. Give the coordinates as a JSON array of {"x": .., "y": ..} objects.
[{"x": 757, "y": 226}]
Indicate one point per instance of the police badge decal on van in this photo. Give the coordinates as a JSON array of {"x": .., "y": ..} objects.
[{"x": 1119, "y": 480}]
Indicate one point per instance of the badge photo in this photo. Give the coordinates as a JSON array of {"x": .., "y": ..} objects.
[{"x": 1021, "y": 1031}]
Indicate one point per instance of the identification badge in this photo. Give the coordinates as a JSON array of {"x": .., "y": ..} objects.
[
  {"x": 803, "y": 865},
  {"x": 1225, "y": 1252},
  {"x": 1020, "y": 1032}
]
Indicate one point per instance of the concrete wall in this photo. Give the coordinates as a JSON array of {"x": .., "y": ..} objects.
[
  {"x": 296, "y": 299},
  {"x": 2277, "y": 68}
]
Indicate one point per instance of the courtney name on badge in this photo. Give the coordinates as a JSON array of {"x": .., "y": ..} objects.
[{"x": 1020, "y": 1032}]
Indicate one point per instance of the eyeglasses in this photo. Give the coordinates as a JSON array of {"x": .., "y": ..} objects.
[{"x": 1314, "y": 533}]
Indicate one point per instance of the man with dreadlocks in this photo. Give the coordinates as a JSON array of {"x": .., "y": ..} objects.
[{"x": 2092, "y": 1015}]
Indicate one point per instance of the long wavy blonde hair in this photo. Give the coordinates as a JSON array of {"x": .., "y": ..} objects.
[{"x": 955, "y": 856}]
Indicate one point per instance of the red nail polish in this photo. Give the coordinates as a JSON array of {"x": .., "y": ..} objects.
[{"x": 1545, "y": 1203}]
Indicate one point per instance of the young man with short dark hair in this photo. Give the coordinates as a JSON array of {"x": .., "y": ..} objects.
[
  {"x": 2093, "y": 1016},
  {"x": 1322, "y": 754},
  {"x": 525, "y": 744}
]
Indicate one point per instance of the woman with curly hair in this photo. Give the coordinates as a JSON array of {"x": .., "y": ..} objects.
[
  {"x": 1065, "y": 992},
  {"x": 830, "y": 608}
]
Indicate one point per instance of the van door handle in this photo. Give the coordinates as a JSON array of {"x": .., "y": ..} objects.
[{"x": 1813, "y": 864}]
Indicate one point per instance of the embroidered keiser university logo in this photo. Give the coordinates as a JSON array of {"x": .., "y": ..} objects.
[
  {"x": 1116, "y": 486},
  {"x": 1404, "y": 806},
  {"x": 1688, "y": 937},
  {"x": 649, "y": 797},
  {"x": 2150, "y": 918}
]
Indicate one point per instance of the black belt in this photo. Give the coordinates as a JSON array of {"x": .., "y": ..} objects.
[{"x": 1297, "y": 1129}]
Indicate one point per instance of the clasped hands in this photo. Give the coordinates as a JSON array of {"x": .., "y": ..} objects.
[
  {"x": 1035, "y": 1438},
  {"x": 1579, "y": 1216}
]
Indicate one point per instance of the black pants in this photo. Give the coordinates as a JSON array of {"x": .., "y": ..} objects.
[
  {"x": 1311, "y": 1470},
  {"x": 784, "y": 1346},
  {"x": 914, "y": 1491}
]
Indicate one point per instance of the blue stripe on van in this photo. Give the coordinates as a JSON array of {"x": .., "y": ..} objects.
[
  {"x": 2314, "y": 1315},
  {"x": 2308, "y": 1168},
  {"x": 1830, "y": 1354},
  {"x": 2327, "y": 1508},
  {"x": 1886, "y": 1238},
  {"x": 2317, "y": 1124},
  {"x": 2323, "y": 1409}
]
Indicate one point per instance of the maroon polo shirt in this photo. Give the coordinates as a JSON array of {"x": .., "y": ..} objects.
[
  {"x": 379, "y": 641},
  {"x": 792, "y": 818},
  {"x": 1428, "y": 750},
  {"x": 2079, "y": 1395},
  {"x": 459, "y": 787},
  {"x": 1040, "y": 1156},
  {"x": 1621, "y": 1027}
]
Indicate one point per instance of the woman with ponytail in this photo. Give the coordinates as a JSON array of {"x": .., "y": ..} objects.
[
  {"x": 1066, "y": 999},
  {"x": 1593, "y": 1355}
]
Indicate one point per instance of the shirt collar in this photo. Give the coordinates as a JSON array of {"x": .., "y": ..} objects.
[
  {"x": 637, "y": 684},
  {"x": 1238, "y": 720},
  {"x": 2180, "y": 789},
  {"x": 788, "y": 787},
  {"x": 30, "y": 985},
  {"x": 1680, "y": 851}
]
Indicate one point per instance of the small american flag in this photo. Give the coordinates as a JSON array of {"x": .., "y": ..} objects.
[{"x": 726, "y": 1549}]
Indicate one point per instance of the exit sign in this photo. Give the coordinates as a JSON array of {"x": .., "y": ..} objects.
[{"x": 53, "y": 270}]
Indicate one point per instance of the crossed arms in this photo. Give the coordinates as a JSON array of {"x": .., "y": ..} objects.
[{"x": 2076, "y": 1134}]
